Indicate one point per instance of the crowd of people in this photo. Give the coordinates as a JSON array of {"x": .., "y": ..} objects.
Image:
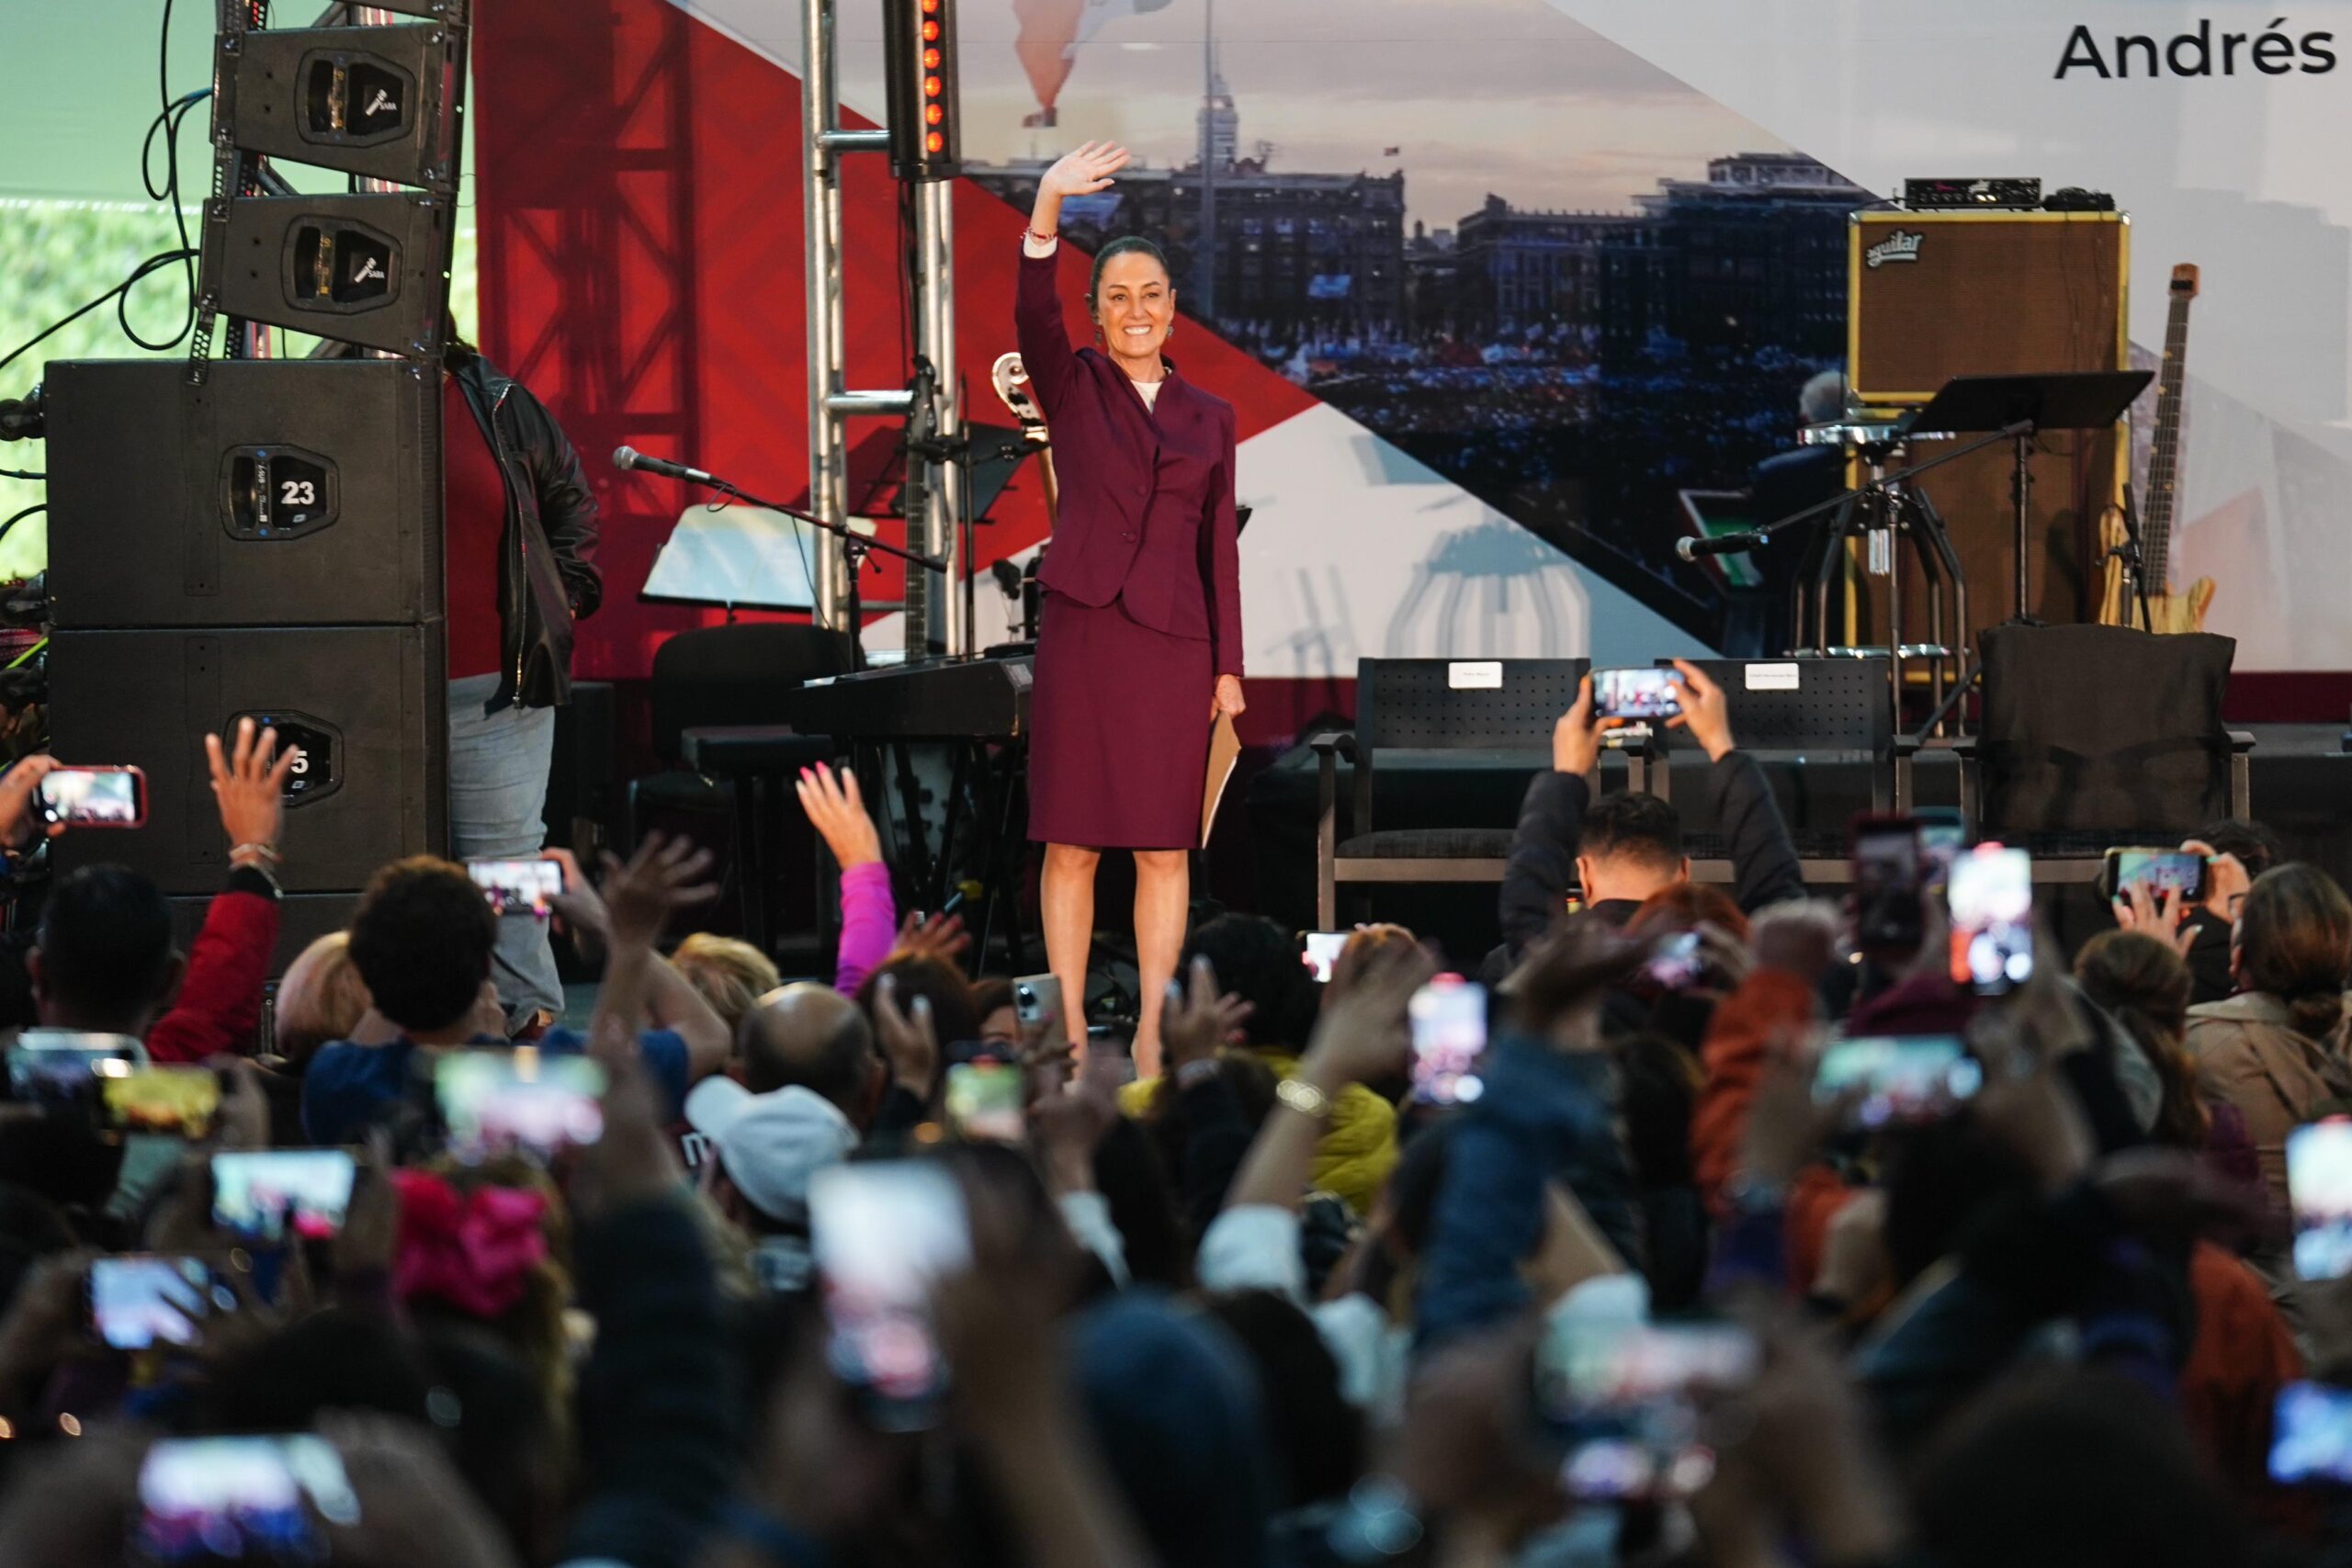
[{"x": 872, "y": 1268}]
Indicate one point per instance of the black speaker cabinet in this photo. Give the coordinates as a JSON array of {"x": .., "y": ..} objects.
[
  {"x": 370, "y": 270},
  {"x": 374, "y": 101},
  {"x": 302, "y": 919},
  {"x": 368, "y": 706},
  {"x": 297, "y": 492}
]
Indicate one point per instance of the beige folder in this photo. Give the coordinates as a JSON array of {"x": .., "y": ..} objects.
[{"x": 1224, "y": 750}]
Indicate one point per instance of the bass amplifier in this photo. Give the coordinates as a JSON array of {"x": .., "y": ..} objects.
[{"x": 1935, "y": 295}]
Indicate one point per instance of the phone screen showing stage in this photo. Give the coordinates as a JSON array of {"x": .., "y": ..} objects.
[
  {"x": 518, "y": 887},
  {"x": 1991, "y": 892},
  {"x": 884, "y": 1234},
  {"x": 258, "y": 1500},
  {"x": 91, "y": 798},
  {"x": 1634, "y": 694},
  {"x": 518, "y": 1101},
  {"x": 1902, "y": 1078},
  {"x": 264, "y": 1194},
  {"x": 1323, "y": 949},
  {"x": 2180, "y": 873},
  {"x": 2311, "y": 1434},
  {"x": 2319, "y": 1189},
  {"x": 1449, "y": 1019}
]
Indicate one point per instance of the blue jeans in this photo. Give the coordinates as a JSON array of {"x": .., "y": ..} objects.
[{"x": 498, "y": 793}]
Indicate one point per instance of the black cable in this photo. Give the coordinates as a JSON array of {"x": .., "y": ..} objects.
[
  {"x": 19, "y": 474},
  {"x": 138, "y": 274},
  {"x": 171, "y": 115},
  {"x": 19, "y": 517}
]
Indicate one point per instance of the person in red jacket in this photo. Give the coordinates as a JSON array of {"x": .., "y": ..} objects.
[{"x": 105, "y": 960}]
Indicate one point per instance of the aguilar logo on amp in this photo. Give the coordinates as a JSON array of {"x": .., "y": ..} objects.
[{"x": 1899, "y": 246}]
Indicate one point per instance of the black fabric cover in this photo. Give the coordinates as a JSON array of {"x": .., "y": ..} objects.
[{"x": 2103, "y": 729}]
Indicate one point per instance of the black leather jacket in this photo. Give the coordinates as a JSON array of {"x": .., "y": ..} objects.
[{"x": 546, "y": 571}]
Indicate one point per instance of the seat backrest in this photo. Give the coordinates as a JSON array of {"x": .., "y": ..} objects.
[
  {"x": 2103, "y": 729},
  {"x": 1811, "y": 704},
  {"x": 744, "y": 674},
  {"x": 1464, "y": 703}
]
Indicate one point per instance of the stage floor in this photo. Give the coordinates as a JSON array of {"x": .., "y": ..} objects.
[{"x": 2301, "y": 787}]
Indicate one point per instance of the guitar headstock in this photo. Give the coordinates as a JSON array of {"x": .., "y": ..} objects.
[
  {"x": 2184, "y": 280},
  {"x": 1012, "y": 382}
]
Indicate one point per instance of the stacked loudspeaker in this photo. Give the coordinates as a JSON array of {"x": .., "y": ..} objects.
[{"x": 244, "y": 536}]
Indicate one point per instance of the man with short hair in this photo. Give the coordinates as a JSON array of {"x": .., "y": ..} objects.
[
  {"x": 1627, "y": 847},
  {"x": 811, "y": 1036},
  {"x": 104, "y": 959},
  {"x": 421, "y": 939}
]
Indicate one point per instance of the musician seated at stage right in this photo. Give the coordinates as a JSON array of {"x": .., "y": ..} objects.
[{"x": 1622, "y": 849}]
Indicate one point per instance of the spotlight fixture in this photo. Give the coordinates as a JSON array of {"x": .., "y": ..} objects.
[{"x": 918, "y": 52}]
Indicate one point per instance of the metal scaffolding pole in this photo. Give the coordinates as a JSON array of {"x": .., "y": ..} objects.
[{"x": 832, "y": 402}]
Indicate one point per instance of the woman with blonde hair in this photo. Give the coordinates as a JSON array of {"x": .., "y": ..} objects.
[{"x": 729, "y": 974}]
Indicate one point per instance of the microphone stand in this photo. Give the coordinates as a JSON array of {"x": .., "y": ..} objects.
[
  {"x": 1880, "y": 493},
  {"x": 854, "y": 549}
]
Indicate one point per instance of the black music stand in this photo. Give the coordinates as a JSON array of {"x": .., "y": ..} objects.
[{"x": 1970, "y": 405}]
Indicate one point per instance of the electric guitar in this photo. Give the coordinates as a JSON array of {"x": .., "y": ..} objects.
[{"x": 2168, "y": 611}]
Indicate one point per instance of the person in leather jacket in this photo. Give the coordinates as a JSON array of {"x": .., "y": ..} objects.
[{"x": 520, "y": 535}]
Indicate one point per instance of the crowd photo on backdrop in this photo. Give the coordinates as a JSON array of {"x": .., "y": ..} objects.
[{"x": 1747, "y": 985}]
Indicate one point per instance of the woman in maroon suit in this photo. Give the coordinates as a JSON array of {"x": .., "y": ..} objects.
[{"x": 1139, "y": 644}]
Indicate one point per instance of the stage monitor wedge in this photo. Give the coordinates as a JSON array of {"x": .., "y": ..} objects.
[
  {"x": 278, "y": 492},
  {"x": 370, "y": 270},
  {"x": 378, "y": 102}
]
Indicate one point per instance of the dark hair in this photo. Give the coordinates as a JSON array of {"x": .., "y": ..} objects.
[
  {"x": 1135, "y": 1186},
  {"x": 953, "y": 1015},
  {"x": 421, "y": 939},
  {"x": 1258, "y": 960},
  {"x": 2065, "y": 1467},
  {"x": 1944, "y": 1182},
  {"x": 2144, "y": 986},
  {"x": 1316, "y": 1435},
  {"x": 106, "y": 941},
  {"x": 991, "y": 994},
  {"x": 1636, "y": 826},
  {"x": 1123, "y": 246},
  {"x": 1657, "y": 1093},
  {"x": 2257, "y": 848},
  {"x": 2295, "y": 943}
]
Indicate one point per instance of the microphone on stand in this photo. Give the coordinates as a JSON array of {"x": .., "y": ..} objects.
[
  {"x": 629, "y": 459},
  {"x": 1689, "y": 548}
]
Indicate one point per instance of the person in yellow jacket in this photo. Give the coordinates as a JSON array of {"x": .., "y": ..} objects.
[{"x": 1269, "y": 1005}]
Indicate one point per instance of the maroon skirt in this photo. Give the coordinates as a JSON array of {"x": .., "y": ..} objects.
[{"x": 1118, "y": 732}]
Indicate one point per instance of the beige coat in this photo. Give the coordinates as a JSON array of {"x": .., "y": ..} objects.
[{"x": 2247, "y": 1054}]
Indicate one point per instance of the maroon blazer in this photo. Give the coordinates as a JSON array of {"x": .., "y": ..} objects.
[{"x": 1146, "y": 493}]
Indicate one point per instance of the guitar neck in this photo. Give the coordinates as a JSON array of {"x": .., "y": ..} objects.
[{"x": 2164, "y": 458}]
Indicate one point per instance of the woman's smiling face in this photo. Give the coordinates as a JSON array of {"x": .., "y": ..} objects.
[{"x": 1134, "y": 305}]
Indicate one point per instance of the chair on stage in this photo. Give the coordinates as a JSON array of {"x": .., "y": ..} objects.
[
  {"x": 1797, "y": 713},
  {"x": 718, "y": 698},
  {"x": 2096, "y": 737},
  {"x": 1406, "y": 706}
]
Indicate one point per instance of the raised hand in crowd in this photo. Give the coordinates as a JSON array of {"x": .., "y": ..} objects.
[
  {"x": 2159, "y": 912},
  {"x": 933, "y": 936},
  {"x": 907, "y": 1037},
  {"x": 838, "y": 812},
  {"x": 1577, "y": 736},
  {"x": 1706, "y": 712},
  {"x": 1199, "y": 1020},
  {"x": 249, "y": 786},
  {"x": 20, "y": 826}
]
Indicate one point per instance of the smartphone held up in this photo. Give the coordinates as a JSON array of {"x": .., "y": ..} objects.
[
  {"x": 884, "y": 1234},
  {"x": 91, "y": 798},
  {"x": 1990, "y": 897},
  {"x": 1449, "y": 1023}
]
